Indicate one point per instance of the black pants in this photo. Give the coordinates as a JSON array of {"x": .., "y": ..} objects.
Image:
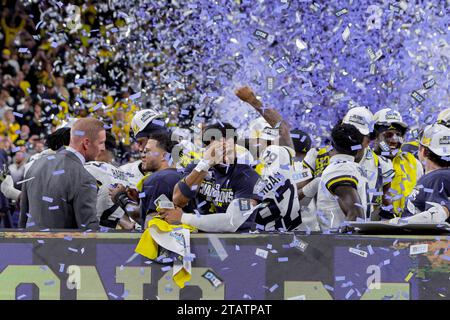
[{"x": 5, "y": 220}]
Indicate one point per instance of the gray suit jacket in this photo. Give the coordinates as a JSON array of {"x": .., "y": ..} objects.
[{"x": 62, "y": 194}]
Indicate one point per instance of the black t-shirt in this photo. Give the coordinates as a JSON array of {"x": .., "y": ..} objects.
[
  {"x": 431, "y": 187},
  {"x": 222, "y": 185},
  {"x": 159, "y": 183}
]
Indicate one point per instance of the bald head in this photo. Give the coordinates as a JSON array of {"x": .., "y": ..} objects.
[{"x": 88, "y": 136}]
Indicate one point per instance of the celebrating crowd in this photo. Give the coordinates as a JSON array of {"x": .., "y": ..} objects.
[
  {"x": 79, "y": 154},
  {"x": 216, "y": 181}
]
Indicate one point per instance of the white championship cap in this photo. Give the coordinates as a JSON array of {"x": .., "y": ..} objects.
[
  {"x": 142, "y": 118},
  {"x": 388, "y": 116},
  {"x": 361, "y": 118},
  {"x": 260, "y": 128},
  {"x": 436, "y": 137},
  {"x": 444, "y": 117}
]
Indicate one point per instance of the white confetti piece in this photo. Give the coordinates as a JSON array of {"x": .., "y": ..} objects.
[
  {"x": 418, "y": 249},
  {"x": 262, "y": 253},
  {"x": 358, "y": 252}
]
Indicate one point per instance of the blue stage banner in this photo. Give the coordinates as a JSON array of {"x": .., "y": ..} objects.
[{"x": 70, "y": 266}]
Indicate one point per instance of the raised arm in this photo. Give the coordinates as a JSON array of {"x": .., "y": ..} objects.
[
  {"x": 187, "y": 188},
  {"x": 271, "y": 115}
]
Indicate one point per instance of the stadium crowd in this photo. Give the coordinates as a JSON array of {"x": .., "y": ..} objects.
[{"x": 142, "y": 159}]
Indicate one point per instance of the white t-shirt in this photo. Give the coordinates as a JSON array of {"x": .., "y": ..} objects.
[
  {"x": 278, "y": 189},
  {"x": 106, "y": 175},
  {"x": 341, "y": 168},
  {"x": 134, "y": 174}
]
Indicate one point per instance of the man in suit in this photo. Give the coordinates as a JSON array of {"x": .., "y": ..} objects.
[{"x": 60, "y": 193}]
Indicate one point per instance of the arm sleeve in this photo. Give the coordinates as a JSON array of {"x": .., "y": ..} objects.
[
  {"x": 85, "y": 205},
  {"x": 339, "y": 175},
  {"x": 229, "y": 221}
]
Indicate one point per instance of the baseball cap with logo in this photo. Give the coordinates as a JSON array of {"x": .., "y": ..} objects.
[
  {"x": 444, "y": 117},
  {"x": 142, "y": 119},
  {"x": 388, "y": 117},
  {"x": 260, "y": 128},
  {"x": 436, "y": 137},
  {"x": 361, "y": 118}
]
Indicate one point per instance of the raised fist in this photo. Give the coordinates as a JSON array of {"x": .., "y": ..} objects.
[{"x": 246, "y": 94}]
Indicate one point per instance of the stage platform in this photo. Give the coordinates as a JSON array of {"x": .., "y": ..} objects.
[{"x": 264, "y": 266}]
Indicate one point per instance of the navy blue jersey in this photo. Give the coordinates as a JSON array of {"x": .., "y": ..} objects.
[
  {"x": 222, "y": 185},
  {"x": 432, "y": 187},
  {"x": 159, "y": 183}
]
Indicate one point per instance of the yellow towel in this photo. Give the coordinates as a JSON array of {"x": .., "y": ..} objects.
[{"x": 174, "y": 238}]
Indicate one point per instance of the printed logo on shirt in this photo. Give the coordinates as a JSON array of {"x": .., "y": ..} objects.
[{"x": 219, "y": 196}]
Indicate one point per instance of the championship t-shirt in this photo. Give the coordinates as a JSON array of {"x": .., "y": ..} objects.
[{"x": 221, "y": 185}]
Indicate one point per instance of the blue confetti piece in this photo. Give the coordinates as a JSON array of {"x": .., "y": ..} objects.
[
  {"x": 237, "y": 247},
  {"x": 51, "y": 157},
  {"x": 158, "y": 122},
  {"x": 386, "y": 262},
  {"x": 396, "y": 253},
  {"x": 61, "y": 267},
  {"x": 21, "y": 296},
  {"x": 49, "y": 283},
  {"x": 273, "y": 288},
  {"x": 428, "y": 190},
  {"x": 15, "y": 149},
  {"x": 47, "y": 199},
  {"x": 141, "y": 195},
  {"x": 17, "y": 114},
  {"x": 283, "y": 259},
  {"x": 40, "y": 241},
  {"x": 112, "y": 295},
  {"x": 135, "y": 96},
  {"x": 369, "y": 248},
  {"x": 330, "y": 288},
  {"x": 349, "y": 293},
  {"x": 167, "y": 268},
  {"x": 340, "y": 278},
  {"x": 79, "y": 133},
  {"x": 356, "y": 147}
]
